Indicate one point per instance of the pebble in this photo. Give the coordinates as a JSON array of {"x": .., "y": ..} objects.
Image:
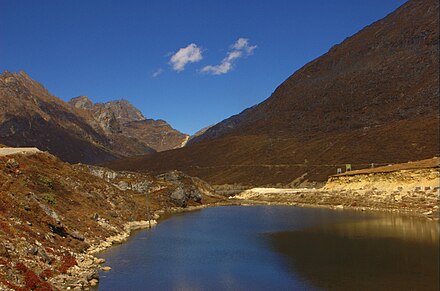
[{"x": 106, "y": 268}]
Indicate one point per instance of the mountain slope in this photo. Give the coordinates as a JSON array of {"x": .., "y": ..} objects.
[
  {"x": 31, "y": 116},
  {"x": 80, "y": 131},
  {"x": 371, "y": 99},
  {"x": 120, "y": 118}
]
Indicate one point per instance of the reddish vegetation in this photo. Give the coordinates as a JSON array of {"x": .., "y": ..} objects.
[
  {"x": 31, "y": 280},
  {"x": 46, "y": 274},
  {"x": 371, "y": 99},
  {"x": 67, "y": 262},
  {"x": 21, "y": 268}
]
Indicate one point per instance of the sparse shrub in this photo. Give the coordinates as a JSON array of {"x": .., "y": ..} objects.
[
  {"x": 44, "y": 286},
  {"x": 49, "y": 198},
  {"x": 46, "y": 181},
  {"x": 46, "y": 274},
  {"x": 21, "y": 267},
  {"x": 67, "y": 262},
  {"x": 4, "y": 262},
  {"x": 31, "y": 280}
]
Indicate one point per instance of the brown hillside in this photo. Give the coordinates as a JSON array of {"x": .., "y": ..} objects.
[
  {"x": 126, "y": 125},
  {"x": 79, "y": 131},
  {"x": 31, "y": 116},
  {"x": 371, "y": 99}
]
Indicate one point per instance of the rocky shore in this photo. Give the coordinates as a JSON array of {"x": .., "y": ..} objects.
[
  {"x": 408, "y": 188},
  {"x": 55, "y": 217},
  {"x": 85, "y": 273}
]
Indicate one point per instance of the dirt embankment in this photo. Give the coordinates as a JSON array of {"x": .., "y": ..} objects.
[
  {"x": 54, "y": 216},
  {"x": 411, "y": 187}
]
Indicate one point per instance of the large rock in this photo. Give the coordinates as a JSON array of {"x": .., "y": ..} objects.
[{"x": 179, "y": 197}]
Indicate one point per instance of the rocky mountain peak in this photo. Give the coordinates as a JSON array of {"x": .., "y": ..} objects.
[
  {"x": 123, "y": 110},
  {"x": 81, "y": 102}
]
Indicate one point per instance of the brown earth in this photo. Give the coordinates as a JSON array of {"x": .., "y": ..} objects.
[
  {"x": 371, "y": 99},
  {"x": 423, "y": 164}
]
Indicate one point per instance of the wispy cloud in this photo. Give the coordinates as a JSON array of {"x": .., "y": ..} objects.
[
  {"x": 241, "y": 48},
  {"x": 157, "y": 72},
  {"x": 190, "y": 54}
]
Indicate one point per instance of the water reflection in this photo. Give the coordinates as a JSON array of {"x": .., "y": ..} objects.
[
  {"x": 277, "y": 248},
  {"x": 387, "y": 253}
]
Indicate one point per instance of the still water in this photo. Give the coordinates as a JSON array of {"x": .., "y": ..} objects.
[{"x": 278, "y": 248}]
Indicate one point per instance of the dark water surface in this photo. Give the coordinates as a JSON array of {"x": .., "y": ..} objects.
[{"x": 278, "y": 248}]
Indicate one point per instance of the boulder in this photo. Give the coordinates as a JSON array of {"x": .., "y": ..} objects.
[
  {"x": 92, "y": 275},
  {"x": 178, "y": 197}
]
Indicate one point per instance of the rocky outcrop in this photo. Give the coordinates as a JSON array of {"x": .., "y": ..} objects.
[
  {"x": 410, "y": 187},
  {"x": 120, "y": 118},
  {"x": 54, "y": 216}
]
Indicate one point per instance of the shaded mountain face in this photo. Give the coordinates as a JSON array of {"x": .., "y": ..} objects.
[
  {"x": 371, "y": 99},
  {"x": 80, "y": 131},
  {"x": 31, "y": 116},
  {"x": 121, "y": 119}
]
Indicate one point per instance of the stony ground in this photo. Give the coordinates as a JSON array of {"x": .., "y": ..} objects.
[
  {"x": 412, "y": 188},
  {"x": 54, "y": 216}
]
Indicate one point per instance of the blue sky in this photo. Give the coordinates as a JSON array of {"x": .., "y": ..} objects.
[{"x": 192, "y": 63}]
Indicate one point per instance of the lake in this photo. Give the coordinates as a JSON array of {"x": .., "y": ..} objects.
[{"x": 278, "y": 248}]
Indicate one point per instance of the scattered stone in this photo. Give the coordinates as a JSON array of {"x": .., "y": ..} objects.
[
  {"x": 106, "y": 268},
  {"x": 32, "y": 250},
  {"x": 93, "y": 282},
  {"x": 99, "y": 261},
  {"x": 95, "y": 216},
  {"x": 92, "y": 275},
  {"x": 42, "y": 253},
  {"x": 427, "y": 212},
  {"x": 12, "y": 164},
  {"x": 76, "y": 235},
  {"x": 340, "y": 206}
]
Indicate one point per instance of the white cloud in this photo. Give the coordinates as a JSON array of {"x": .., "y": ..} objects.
[
  {"x": 222, "y": 68},
  {"x": 157, "y": 72},
  {"x": 241, "y": 48},
  {"x": 190, "y": 54}
]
